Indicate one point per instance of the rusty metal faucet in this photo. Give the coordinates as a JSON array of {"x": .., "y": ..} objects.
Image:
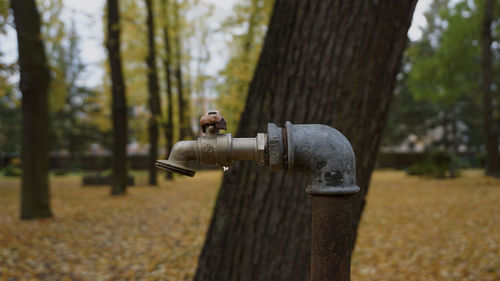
[{"x": 319, "y": 151}]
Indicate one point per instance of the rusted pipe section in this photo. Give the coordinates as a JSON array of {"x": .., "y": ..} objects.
[
  {"x": 331, "y": 238},
  {"x": 327, "y": 158},
  {"x": 319, "y": 151}
]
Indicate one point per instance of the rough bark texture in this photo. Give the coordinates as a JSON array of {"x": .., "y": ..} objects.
[
  {"x": 119, "y": 102},
  {"x": 34, "y": 85},
  {"x": 154, "y": 95},
  {"x": 491, "y": 133},
  {"x": 167, "y": 61},
  {"x": 332, "y": 62}
]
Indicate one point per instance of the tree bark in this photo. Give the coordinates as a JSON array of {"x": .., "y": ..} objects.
[
  {"x": 454, "y": 142},
  {"x": 167, "y": 62},
  {"x": 183, "y": 122},
  {"x": 154, "y": 96},
  {"x": 34, "y": 85},
  {"x": 491, "y": 134},
  {"x": 119, "y": 102},
  {"x": 446, "y": 137},
  {"x": 331, "y": 62}
]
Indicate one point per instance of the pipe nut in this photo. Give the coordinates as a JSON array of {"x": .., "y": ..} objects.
[
  {"x": 261, "y": 140},
  {"x": 275, "y": 140}
]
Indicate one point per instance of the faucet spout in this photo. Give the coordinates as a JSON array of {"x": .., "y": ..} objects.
[{"x": 180, "y": 155}]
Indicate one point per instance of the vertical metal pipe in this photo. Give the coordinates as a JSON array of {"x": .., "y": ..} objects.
[{"x": 331, "y": 241}]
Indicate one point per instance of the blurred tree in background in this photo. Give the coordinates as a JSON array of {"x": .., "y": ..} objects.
[
  {"x": 440, "y": 86},
  {"x": 168, "y": 122},
  {"x": 490, "y": 128},
  {"x": 183, "y": 104},
  {"x": 408, "y": 116},
  {"x": 248, "y": 27},
  {"x": 73, "y": 105},
  {"x": 438, "y": 75},
  {"x": 34, "y": 85},
  {"x": 119, "y": 100},
  {"x": 154, "y": 93}
]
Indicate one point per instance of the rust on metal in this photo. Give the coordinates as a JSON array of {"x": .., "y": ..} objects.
[
  {"x": 331, "y": 241},
  {"x": 212, "y": 118}
]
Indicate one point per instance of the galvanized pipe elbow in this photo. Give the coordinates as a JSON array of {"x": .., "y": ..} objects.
[{"x": 320, "y": 151}]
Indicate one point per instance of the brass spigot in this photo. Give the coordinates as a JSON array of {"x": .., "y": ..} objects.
[{"x": 213, "y": 147}]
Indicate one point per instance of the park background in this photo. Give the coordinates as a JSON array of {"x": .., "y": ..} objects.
[{"x": 432, "y": 212}]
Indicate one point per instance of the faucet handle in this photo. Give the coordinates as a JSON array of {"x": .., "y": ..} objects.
[{"x": 212, "y": 118}]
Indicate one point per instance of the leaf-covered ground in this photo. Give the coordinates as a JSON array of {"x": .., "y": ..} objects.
[
  {"x": 413, "y": 229},
  {"x": 425, "y": 229},
  {"x": 149, "y": 234}
]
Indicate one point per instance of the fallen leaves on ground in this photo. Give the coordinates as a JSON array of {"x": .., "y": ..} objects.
[
  {"x": 413, "y": 229},
  {"x": 152, "y": 233},
  {"x": 425, "y": 229}
]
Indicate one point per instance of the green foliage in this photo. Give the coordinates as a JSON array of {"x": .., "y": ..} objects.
[
  {"x": 190, "y": 30},
  {"x": 72, "y": 105},
  {"x": 253, "y": 17},
  {"x": 10, "y": 114},
  {"x": 436, "y": 165},
  {"x": 12, "y": 170},
  {"x": 4, "y": 15},
  {"x": 480, "y": 160},
  {"x": 10, "y": 101},
  {"x": 439, "y": 82},
  {"x": 408, "y": 116},
  {"x": 60, "y": 172},
  {"x": 447, "y": 66}
]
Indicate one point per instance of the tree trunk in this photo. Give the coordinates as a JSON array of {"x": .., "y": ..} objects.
[
  {"x": 331, "y": 62},
  {"x": 34, "y": 85},
  {"x": 454, "y": 142},
  {"x": 183, "y": 122},
  {"x": 119, "y": 102},
  {"x": 446, "y": 136},
  {"x": 154, "y": 96},
  {"x": 248, "y": 44},
  {"x": 169, "y": 131},
  {"x": 491, "y": 134}
]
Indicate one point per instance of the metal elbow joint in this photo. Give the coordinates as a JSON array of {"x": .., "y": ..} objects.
[{"x": 320, "y": 151}]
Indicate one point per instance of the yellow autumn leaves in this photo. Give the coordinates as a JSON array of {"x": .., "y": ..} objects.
[{"x": 412, "y": 229}]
